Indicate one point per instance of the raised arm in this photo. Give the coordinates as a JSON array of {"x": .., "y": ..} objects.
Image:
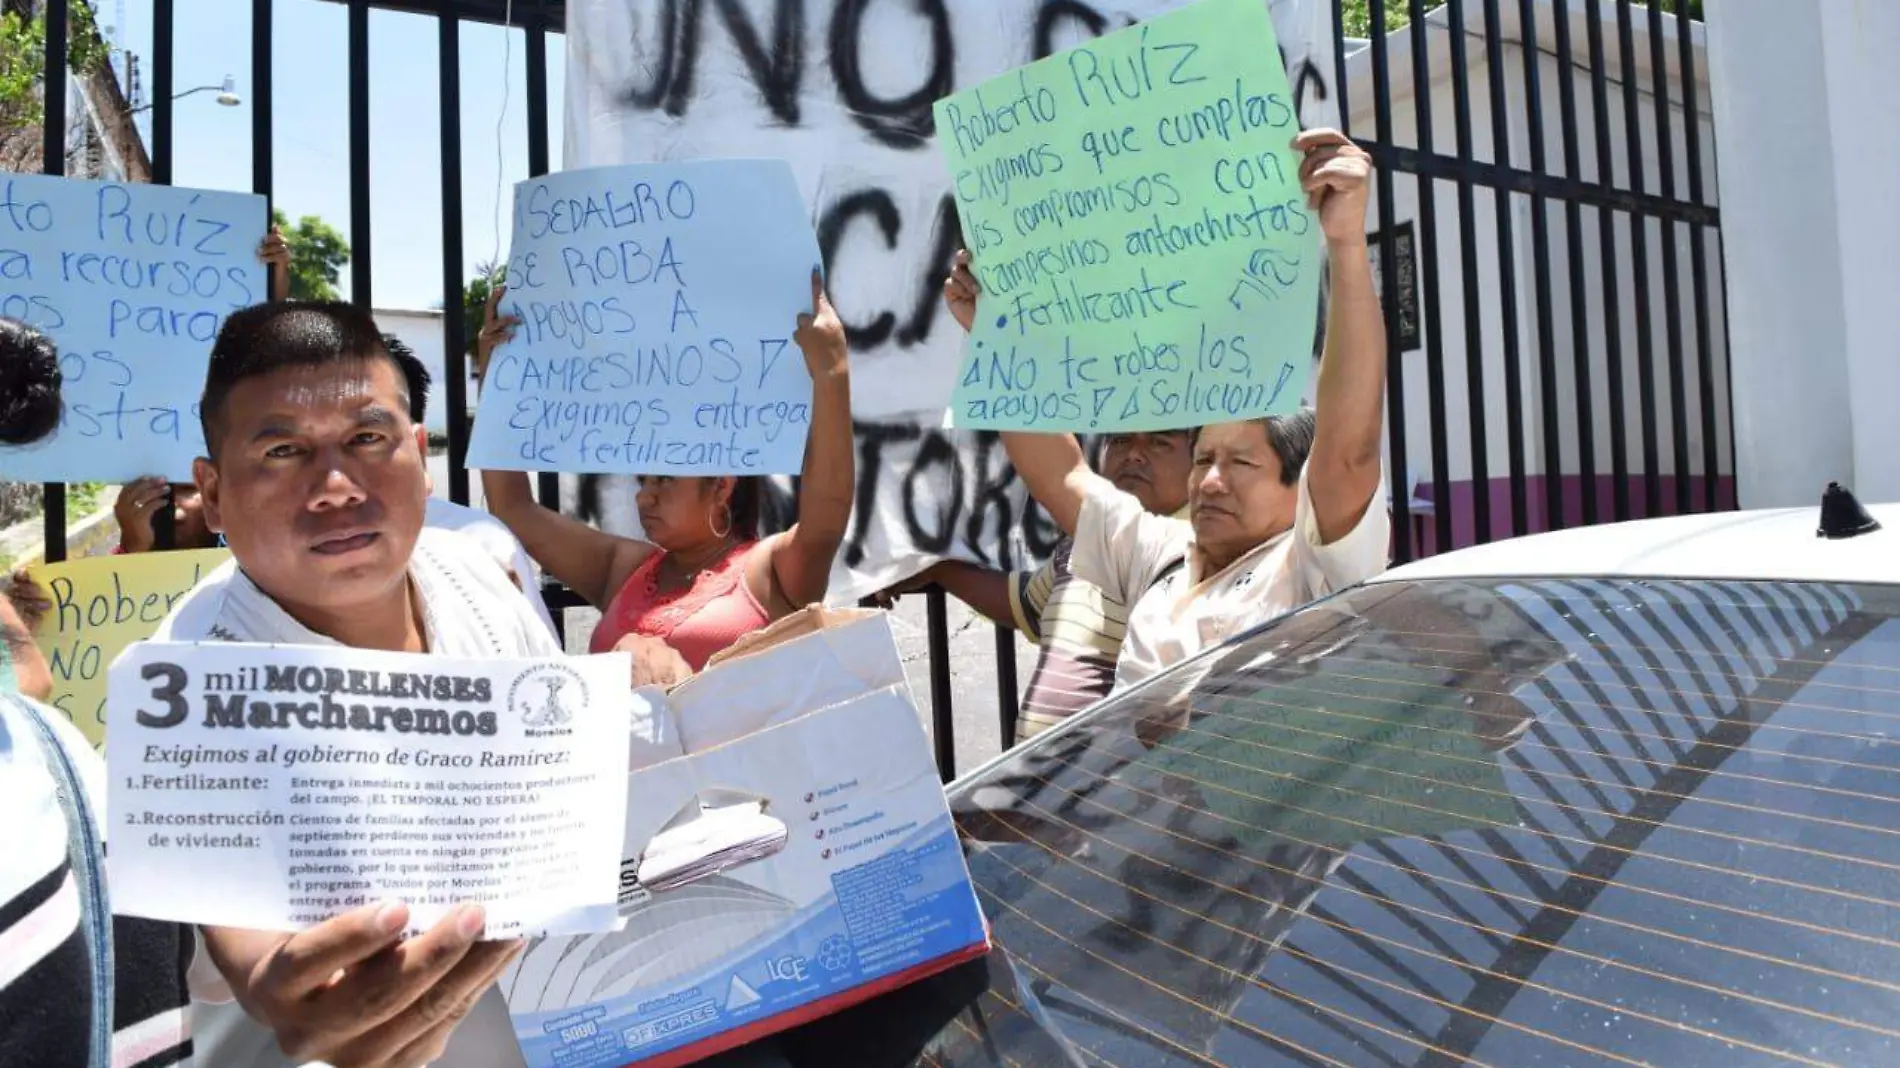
[
  {"x": 1051, "y": 465},
  {"x": 1349, "y": 403},
  {"x": 801, "y": 557},
  {"x": 592, "y": 563}
]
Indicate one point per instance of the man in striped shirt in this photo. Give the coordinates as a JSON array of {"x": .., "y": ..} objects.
[{"x": 1078, "y": 627}]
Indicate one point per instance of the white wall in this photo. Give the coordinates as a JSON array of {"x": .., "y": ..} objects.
[
  {"x": 1766, "y": 66},
  {"x": 1488, "y": 331},
  {"x": 421, "y": 330},
  {"x": 1859, "y": 38}
]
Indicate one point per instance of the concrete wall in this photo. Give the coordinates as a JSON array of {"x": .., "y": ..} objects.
[{"x": 1804, "y": 94}]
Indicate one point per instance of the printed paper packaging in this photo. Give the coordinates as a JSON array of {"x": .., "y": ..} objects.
[{"x": 788, "y": 854}]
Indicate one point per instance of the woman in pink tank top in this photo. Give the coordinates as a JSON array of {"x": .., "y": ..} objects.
[{"x": 703, "y": 577}]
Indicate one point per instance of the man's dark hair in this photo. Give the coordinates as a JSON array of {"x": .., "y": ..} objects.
[
  {"x": 29, "y": 384},
  {"x": 266, "y": 338},
  {"x": 413, "y": 373},
  {"x": 1292, "y": 439}
]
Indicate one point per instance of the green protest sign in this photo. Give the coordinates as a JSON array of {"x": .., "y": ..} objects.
[{"x": 1134, "y": 214}]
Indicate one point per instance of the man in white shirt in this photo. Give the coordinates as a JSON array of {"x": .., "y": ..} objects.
[
  {"x": 1282, "y": 510},
  {"x": 318, "y": 481},
  {"x": 491, "y": 533}
]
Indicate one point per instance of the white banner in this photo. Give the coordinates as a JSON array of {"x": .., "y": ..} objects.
[{"x": 843, "y": 89}]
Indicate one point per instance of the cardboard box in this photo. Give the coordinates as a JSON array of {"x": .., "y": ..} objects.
[{"x": 788, "y": 853}]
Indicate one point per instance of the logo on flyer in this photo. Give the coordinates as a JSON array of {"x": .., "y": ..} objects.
[{"x": 545, "y": 697}]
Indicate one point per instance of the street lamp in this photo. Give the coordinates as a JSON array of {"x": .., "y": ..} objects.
[{"x": 227, "y": 94}]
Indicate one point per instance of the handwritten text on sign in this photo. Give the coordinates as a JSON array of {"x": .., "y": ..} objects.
[
  {"x": 98, "y": 606},
  {"x": 132, "y": 282},
  {"x": 273, "y": 787},
  {"x": 657, "y": 305},
  {"x": 1134, "y": 211}
]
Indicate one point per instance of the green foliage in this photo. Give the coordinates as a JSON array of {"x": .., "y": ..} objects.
[
  {"x": 1357, "y": 14},
  {"x": 86, "y": 50},
  {"x": 22, "y": 44},
  {"x": 83, "y": 499},
  {"x": 318, "y": 254},
  {"x": 23, "y": 58},
  {"x": 475, "y": 301}
]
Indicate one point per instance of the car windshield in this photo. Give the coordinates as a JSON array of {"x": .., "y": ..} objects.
[{"x": 1567, "y": 822}]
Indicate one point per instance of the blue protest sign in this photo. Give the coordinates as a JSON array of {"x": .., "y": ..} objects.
[
  {"x": 657, "y": 305},
  {"x": 132, "y": 282}
]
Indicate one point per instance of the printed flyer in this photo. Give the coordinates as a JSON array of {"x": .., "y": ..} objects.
[{"x": 274, "y": 787}]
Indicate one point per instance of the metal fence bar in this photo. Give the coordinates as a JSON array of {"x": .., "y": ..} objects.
[
  {"x": 362, "y": 290},
  {"x": 164, "y": 524},
  {"x": 547, "y": 483},
  {"x": 53, "y": 130},
  {"x": 1507, "y": 265},
  {"x": 1672, "y": 303},
  {"x": 1403, "y": 548},
  {"x": 1476, "y": 425},
  {"x": 262, "y": 142},
  {"x": 162, "y": 84},
  {"x": 943, "y": 729},
  {"x": 1591, "y": 193},
  {"x": 1341, "y": 89},
  {"x": 1428, "y": 254},
  {"x": 1008, "y": 706},
  {"x": 1606, "y": 235},
  {"x": 1540, "y": 266},
  {"x": 1639, "y": 265},
  {"x": 53, "y": 161},
  {"x": 1573, "y": 247},
  {"x": 1699, "y": 267},
  {"x": 454, "y": 360}
]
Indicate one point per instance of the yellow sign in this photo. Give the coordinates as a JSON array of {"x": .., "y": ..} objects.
[{"x": 100, "y": 605}]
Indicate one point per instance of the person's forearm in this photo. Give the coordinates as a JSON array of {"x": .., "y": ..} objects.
[
  {"x": 1343, "y": 470},
  {"x": 508, "y": 494},
  {"x": 1051, "y": 466},
  {"x": 801, "y": 561},
  {"x": 829, "y": 479},
  {"x": 984, "y": 590}
]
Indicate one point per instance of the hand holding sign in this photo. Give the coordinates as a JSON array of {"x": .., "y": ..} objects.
[
  {"x": 497, "y": 330},
  {"x": 1336, "y": 176},
  {"x": 820, "y": 335},
  {"x": 960, "y": 290},
  {"x": 275, "y": 254},
  {"x": 348, "y": 991}
]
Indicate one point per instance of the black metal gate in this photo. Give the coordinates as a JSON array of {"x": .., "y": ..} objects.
[{"x": 1542, "y": 168}]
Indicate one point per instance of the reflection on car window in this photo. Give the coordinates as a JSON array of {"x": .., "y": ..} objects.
[{"x": 1514, "y": 823}]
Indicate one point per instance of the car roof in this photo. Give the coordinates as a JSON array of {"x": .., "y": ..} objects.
[{"x": 1778, "y": 544}]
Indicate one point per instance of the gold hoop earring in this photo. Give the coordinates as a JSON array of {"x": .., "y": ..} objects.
[{"x": 717, "y": 533}]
